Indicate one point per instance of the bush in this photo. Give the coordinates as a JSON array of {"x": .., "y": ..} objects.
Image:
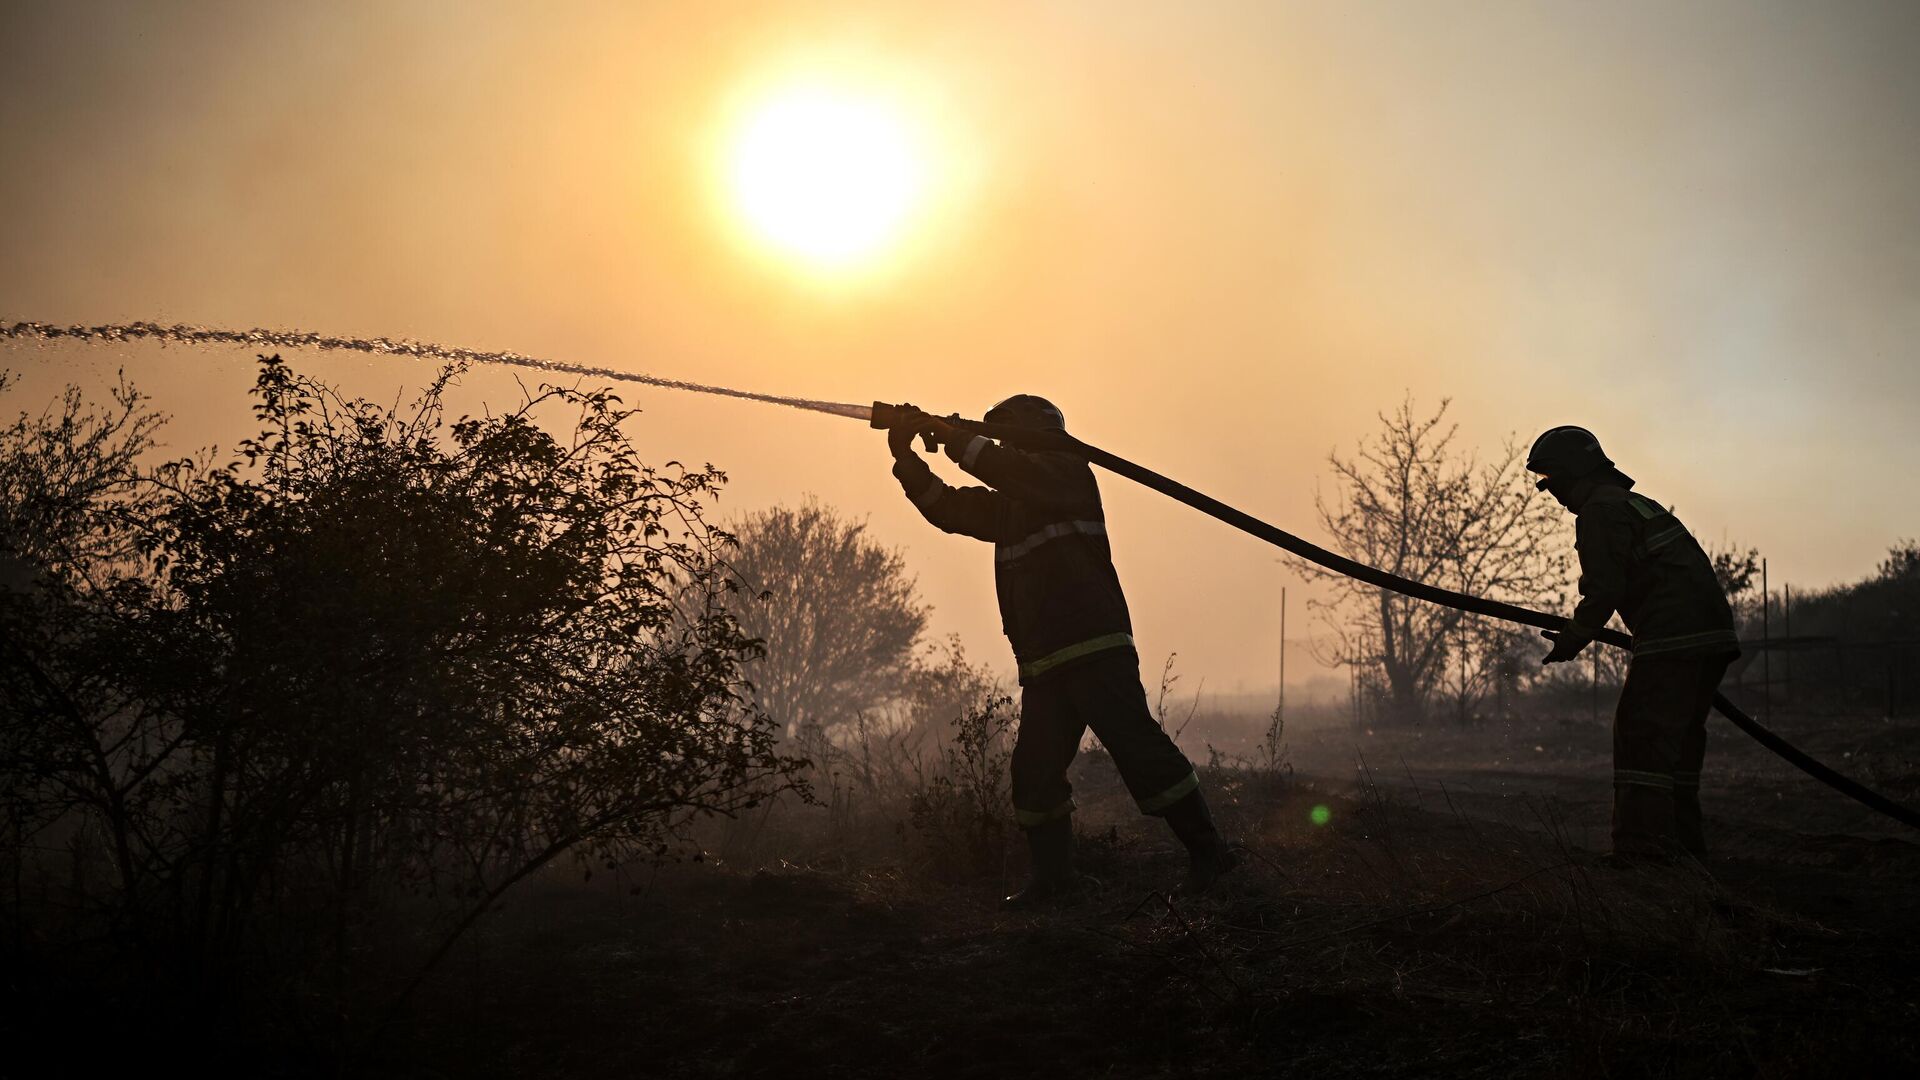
[
  {"x": 963, "y": 810},
  {"x": 380, "y": 661}
]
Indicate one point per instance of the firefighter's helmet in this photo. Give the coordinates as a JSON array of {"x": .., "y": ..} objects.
[
  {"x": 1027, "y": 411},
  {"x": 1565, "y": 454}
]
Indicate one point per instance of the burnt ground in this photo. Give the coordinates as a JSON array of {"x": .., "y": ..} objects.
[{"x": 1445, "y": 921}]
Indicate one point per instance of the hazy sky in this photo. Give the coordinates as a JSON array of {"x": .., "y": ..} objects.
[{"x": 1221, "y": 236}]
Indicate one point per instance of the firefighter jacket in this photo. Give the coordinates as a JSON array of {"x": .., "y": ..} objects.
[
  {"x": 1637, "y": 559},
  {"x": 1060, "y": 599}
]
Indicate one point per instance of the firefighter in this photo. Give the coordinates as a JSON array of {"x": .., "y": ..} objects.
[
  {"x": 1638, "y": 560},
  {"x": 1062, "y": 609}
]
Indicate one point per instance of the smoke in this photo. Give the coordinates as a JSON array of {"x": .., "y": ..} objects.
[{"x": 182, "y": 334}]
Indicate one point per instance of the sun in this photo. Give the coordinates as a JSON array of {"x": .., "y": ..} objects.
[{"x": 826, "y": 176}]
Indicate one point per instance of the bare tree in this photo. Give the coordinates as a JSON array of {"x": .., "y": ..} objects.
[
  {"x": 1411, "y": 503},
  {"x": 1739, "y": 575},
  {"x": 836, "y": 613}
]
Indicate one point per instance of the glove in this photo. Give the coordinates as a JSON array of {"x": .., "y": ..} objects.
[
  {"x": 933, "y": 430},
  {"x": 939, "y": 431},
  {"x": 900, "y": 435},
  {"x": 1565, "y": 646},
  {"x": 900, "y": 441}
]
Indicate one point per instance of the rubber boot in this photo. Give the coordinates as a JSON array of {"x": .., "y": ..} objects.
[
  {"x": 1688, "y": 825},
  {"x": 1054, "y": 880},
  {"x": 1643, "y": 821},
  {"x": 1208, "y": 856}
]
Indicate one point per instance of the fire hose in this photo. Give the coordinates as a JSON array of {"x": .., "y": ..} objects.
[{"x": 889, "y": 416}]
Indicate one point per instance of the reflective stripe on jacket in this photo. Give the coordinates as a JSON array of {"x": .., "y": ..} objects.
[
  {"x": 1060, "y": 599},
  {"x": 1637, "y": 559}
]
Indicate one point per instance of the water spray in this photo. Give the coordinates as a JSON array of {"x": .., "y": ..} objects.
[
  {"x": 182, "y": 334},
  {"x": 883, "y": 415}
]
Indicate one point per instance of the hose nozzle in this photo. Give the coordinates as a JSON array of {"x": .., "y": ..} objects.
[{"x": 888, "y": 417}]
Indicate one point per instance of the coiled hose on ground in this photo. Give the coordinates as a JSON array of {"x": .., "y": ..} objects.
[{"x": 884, "y": 416}]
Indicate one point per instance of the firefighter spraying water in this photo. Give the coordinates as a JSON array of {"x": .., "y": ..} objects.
[{"x": 1066, "y": 617}]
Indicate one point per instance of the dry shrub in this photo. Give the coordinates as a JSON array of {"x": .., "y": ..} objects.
[{"x": 962, "y": 810}]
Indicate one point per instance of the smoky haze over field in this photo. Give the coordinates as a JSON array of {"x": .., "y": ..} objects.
[
  {"x": 374, "y": 717},
  {"x": 1223, "y": 239}
]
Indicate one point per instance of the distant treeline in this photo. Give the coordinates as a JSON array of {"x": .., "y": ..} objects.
[{"x": 1851, "y": 647}]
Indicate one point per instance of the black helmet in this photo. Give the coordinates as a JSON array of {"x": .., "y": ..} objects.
[
  {"x": 1027, "y": 411},
  {"x": 1566, "y": 453}
]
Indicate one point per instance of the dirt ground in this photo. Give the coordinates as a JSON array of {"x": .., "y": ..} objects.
[{"x": 1447, "y": 919}]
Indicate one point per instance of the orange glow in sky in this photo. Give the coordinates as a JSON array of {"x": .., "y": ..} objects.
[{"x": 1223, "y": 237}]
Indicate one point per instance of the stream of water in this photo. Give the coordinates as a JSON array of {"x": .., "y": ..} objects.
[{"x": 182, "y": 334}]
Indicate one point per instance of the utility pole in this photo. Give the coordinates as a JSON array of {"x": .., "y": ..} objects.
[
  {"x": 1280, "y": 711},
  {"x": 1280, "y": 705},
  {"x": 1786, "y": 634},
  {"x": 1766, "y": 646}
]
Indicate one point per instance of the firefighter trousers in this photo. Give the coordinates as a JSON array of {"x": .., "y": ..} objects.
[
  {"x": 1659, "y": 743},
  {"x": 1104, "y": 693}
]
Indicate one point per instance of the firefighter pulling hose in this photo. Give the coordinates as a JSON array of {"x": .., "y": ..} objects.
[
  {"x": 1058, "y": 441},
  {"x": 1637, "y": 559}
]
